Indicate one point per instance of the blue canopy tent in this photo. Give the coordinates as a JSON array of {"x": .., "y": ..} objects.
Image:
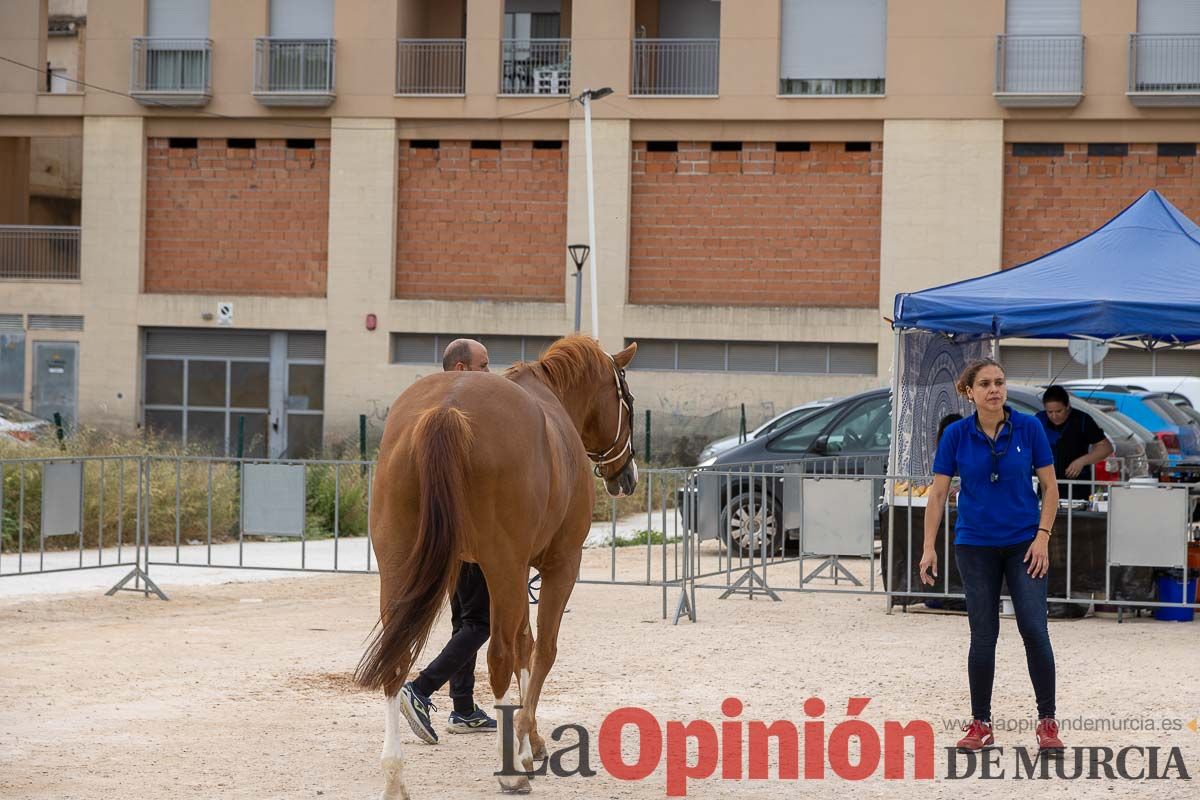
[
  {"x": 1134, "y": 282},
  {"x": 1135, "y": 278}
]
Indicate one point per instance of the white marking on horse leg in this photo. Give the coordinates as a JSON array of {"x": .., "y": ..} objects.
[
  {"x": 512, "y": 783},
  {"x": 392, "y": 758}
]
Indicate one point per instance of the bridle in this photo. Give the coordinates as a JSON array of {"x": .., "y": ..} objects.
[{"x": 624, "y": 406}]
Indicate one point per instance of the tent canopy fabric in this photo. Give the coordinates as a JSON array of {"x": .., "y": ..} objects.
[{"x": 1137, "y": 276}]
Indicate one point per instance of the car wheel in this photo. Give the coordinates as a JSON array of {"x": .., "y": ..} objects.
[{"x": 744, "y": 525}]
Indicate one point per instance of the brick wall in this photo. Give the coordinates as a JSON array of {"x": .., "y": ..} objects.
[
  {"x": 1050, "y": 201},
  {"x": 482, "y": 224},
  {"x": 237, "y": 221},
  {"x": 759, "y": 227}
]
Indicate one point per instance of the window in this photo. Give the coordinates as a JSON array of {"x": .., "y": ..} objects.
[
  {"x": 800, "y": 437},
  {"x": 832, "y": 48},
  {"x": 792, "y": 358},
  {"x": 867, "y": 428},
  {"x": 503, "y": 351}
]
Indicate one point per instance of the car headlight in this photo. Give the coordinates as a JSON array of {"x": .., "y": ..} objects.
[{"x": 708, "y": 462}]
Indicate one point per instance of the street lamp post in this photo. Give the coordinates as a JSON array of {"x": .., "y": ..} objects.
[
  {"x": 586, "y": 99},
  {"x": 579, "y": 254}
]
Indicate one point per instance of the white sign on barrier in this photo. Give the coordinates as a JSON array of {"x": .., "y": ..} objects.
[{"x": 838, "y": 516}]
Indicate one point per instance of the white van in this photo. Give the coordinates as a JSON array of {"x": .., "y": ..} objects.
[{"x": 1182, "y": 385}]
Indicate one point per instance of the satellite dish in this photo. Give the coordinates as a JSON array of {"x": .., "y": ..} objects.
[{"x": 1087, "y": 352}]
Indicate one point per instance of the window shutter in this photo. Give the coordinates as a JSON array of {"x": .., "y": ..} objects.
[
  {"x": 845, "y": 39},
  {"x": 302, "y": 19},
  {"x": 177, "y": 19},
  {"x": 1033, "y": 17}
]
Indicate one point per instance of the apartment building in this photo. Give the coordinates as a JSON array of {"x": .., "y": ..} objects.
[{"x": 280, "y": 210}]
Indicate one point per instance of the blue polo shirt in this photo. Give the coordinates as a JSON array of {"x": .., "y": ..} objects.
[{"x": 1006, "y": 511}]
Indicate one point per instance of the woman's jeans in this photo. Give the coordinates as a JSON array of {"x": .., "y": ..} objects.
[{"x": 982, "y": 570}]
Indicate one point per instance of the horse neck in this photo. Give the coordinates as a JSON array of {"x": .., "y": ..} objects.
[{"x": 576, "y": 400}]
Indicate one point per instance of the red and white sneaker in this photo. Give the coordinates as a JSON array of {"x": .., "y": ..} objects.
[
  {"x": 1047, "y": 735},
  {"x": 979, "y": 737}
]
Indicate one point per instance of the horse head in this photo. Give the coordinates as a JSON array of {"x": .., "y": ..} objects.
[{"x": 608, "y": 430}]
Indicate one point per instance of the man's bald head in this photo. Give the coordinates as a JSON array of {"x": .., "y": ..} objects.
[{"x": 465, "y": 355}]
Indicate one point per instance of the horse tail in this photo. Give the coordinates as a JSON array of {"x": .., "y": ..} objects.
[{"x": 441, "y": 440}]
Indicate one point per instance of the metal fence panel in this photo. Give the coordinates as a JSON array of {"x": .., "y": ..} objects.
[
  {"x": 273, "y": 499},
  {"x": 62, "y": 498}
]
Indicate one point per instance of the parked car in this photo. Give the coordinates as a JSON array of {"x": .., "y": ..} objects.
[
  {"x": 1156, "y": 452},
  {"x": 1174, "y": 386},
  {"x": 1177, "y": 431},
  {"x": 714, "y": 449},
  {"x": 21, "y": 425},
  {"x": 850, "y": 436}
]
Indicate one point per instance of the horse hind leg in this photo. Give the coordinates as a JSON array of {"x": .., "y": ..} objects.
[
  {"x": 509, "y": 654},
  {"x": 392, "y": 759}
]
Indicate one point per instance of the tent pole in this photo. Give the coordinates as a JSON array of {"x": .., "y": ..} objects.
[{"x": 889, "y": 486}]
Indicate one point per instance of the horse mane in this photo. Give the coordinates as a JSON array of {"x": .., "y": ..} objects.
[{"x": 568, "y": 362}]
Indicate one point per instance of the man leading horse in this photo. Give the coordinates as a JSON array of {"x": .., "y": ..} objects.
[{"x": 494, "y": 470}]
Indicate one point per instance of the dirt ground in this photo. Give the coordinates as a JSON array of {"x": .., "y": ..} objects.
[{"x": 241, "y": 690}]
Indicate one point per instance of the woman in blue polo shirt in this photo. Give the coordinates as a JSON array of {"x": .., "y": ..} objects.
[{"x": 1000, "y": 534}]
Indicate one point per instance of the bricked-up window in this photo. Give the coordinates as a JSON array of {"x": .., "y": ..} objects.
[
  {"x": 482, "y": 225},
  {"x": 791, "y": 358},
  {"x": 1036, "y": 150},
  {"x": 503, "y": 351},
  {"x": 1177, "y": 150},
  {"x": 760, "y": 227},
  {"x": 1107, "y": 150},
  {"x": 1052, "y": 201},
  {"x": 237, "y": 222}
]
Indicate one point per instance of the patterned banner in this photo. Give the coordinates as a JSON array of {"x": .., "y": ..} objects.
[{"x": 929, "y": 367}]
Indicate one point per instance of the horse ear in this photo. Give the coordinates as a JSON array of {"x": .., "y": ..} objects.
[{"x": 625, "y": 356}]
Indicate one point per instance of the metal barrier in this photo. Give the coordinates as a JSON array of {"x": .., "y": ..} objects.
[
  {"x": 769, "y": 523},
  {"x": 827, "y": 524},
  {"x": 675, "y": 66},
  {"x": 1039, "y": 64},
  {"x": 431, "y": 66},
  {"x": 171, "y": 66},
  {"x": 535, "y": 66},
  {"x": 39, "y": 252},
  {"x": 293, "y": 66},
  {"x": 1164, "y": 63},
  {"x": 91, "y": 502}
]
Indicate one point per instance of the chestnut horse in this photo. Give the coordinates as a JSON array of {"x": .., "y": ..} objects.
[{"x": 493, "y": 469}]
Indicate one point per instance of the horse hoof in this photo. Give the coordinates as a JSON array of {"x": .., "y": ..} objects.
[{"x": 518, "y": 784}]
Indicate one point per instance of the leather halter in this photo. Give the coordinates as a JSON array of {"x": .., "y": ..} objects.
[{"x": 624, "y": 405}]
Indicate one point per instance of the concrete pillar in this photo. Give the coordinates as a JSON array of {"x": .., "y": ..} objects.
[
  {"x": 113, "y": 223},
  {"x": 943, "y": 204},
  {"x": 611, "y": 153},
  {"x": 362, "y": 263}
]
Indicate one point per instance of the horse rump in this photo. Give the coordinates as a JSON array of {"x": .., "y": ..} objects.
[{"x": 441, "y": 440}]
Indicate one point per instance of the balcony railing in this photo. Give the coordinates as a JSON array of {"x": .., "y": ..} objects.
[
  {"x": 1039, "y": 70},
  {"x": 431, "y": 66},
  {"x": 171, "y": 72},
  {"x": 1164, "y": 69},
  {"x": 535, "y": 66},
  {"x": 675, "y": 66},
  {"x": 39, "y": 253},
  {"x": 294, "y": 72}
]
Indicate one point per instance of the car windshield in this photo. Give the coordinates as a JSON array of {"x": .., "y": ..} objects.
[
  {"x": 1166, "y": 409},
  {"x": 1143, "y": 433},
  {"x": 13, "y": 414}
]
